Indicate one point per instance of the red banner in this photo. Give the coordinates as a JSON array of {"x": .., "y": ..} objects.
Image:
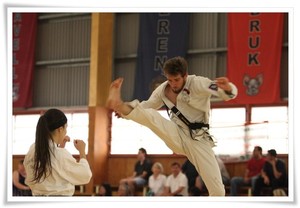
[
  {"x": 24, "y": 38},
  {"x": 254, "y": 54}
]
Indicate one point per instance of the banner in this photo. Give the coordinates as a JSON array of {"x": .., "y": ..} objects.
[
  {"x": 24, "y": 38},
  {"x": 161, "y": 36},
  {"x": 254, "y": 54}
]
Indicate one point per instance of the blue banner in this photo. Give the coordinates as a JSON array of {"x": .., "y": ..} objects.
[{"x": 161, "y": 36}]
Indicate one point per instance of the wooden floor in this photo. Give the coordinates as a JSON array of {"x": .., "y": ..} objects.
[{"x": 243, "y": 191}]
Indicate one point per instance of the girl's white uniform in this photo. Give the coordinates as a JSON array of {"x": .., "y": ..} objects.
[{"x": 66, "y": 173}]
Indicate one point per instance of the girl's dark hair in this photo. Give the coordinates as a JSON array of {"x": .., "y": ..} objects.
[
  {"x": 47, "y": 123},
  {"x": 108, "y": 191},
  {"x": 175, "y": 66}
]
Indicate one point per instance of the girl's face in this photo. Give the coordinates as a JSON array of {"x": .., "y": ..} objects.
[
  {"x": 102, "y": 191},
  {"x": 62, "y": 132}
]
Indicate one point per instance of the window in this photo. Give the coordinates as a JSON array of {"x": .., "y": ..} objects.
[
  {"x": 227, "y": 127},
  {"x": 24, "y": 127},
  {"x": 78, "y": 128},
  {"x": 269, "y": 129},
  {"x": 23, "y": 133},
  {"x": 128, "y": 136}
]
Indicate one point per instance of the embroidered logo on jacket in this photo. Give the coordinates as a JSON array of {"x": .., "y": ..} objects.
[
  {"x": 213, "y": 86},
  {"x": 185, "y": 95}
]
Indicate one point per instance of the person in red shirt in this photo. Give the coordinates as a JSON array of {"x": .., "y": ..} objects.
[{"x": 253, "y": 171}]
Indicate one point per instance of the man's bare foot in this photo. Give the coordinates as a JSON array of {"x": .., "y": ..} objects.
[{"x": 114, "y": 96}]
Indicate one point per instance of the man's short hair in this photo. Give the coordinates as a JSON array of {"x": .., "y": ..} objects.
[
  {"x": 258, "y": 148},
  {"x": 272, "y": 152},
  {"x": 176, "y": 65},
  {"x": 175, "y": 164},
  {"x": 143, "y": 150}
]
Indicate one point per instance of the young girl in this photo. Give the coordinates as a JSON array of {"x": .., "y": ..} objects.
[{"x": 52, "y": 170}]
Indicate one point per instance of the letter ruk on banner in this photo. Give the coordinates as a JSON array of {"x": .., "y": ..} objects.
[
  {"x": 161, "y": 36},
  {"x": 24, "y": 38},
  {"x": 254, "y": 54}
]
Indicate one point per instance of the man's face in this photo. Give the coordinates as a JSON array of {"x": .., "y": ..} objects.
[
  {"x": 141, "y": 155},
  {"x": 175, "y": 170},
  {"x": 176, "y": 82},
  {"x": 256, "y": 152},
  {"x": 270, "y": 157}
]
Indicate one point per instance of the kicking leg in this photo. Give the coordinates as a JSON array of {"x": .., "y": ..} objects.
[{"x": 114, "y": 101}]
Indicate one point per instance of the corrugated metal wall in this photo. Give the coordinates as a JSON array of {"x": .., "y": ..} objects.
[
  {"x": 63, "y": 53},
  {"x": 61, "y": 75},
  {"x": 206, "y": 55},
  {"x": 61, "y": 85},
  {"x": 126, "y": 44}
]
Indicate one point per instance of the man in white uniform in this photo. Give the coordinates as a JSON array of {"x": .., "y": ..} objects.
[{"x": 188, "y": 97}]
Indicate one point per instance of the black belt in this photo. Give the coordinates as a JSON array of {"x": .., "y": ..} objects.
[{"x": 192, "y": 126}]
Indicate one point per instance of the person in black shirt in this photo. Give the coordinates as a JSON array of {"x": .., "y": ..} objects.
[
  {"x": 191, "y": 173},
  {"x": 141, "y": 173},
  {"x": 19, "y": 186},
  {"x": 273, "y": 174}
]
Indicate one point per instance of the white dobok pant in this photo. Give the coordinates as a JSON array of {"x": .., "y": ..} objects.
[{"x": 178, "y": 139}]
